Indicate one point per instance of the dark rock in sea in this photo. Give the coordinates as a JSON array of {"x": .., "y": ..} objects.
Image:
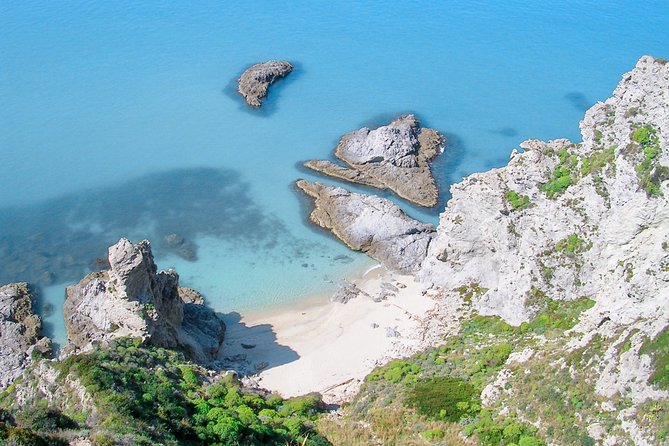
[
  {"x": 133, "y": 299},
  {"x": 395, "y": 156},
  {"x": 20, "y": 332},
  {"x": 248, "y": 346},
  {"x": 255, "y": 81}
]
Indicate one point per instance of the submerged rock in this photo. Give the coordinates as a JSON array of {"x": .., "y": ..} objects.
[
  {"x": 20, "y": 332},
  {"x": 133, "y": 299},
  {"x": 370, "y": 224},
  {"x": 185, "y": 249},
  {"x": 255, "y": 81},
  {"x": 395, "y": 156}
]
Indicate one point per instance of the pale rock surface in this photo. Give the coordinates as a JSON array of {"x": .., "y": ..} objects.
[
  {"x": 133, "y": 299},
  {"x": 255, "y": 81},
  {"x": 518, "y": 255},
  {"x": 20, "y": 331},
  {"x": 370, "y": 224},
  {"x": 395, "y": 156}
]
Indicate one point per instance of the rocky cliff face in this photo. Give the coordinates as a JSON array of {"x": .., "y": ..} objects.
[
  {"x": 20, "y": 332},
  {"x": 395, "y": 156},
  {"x": 566, "y": 220},
  {"x": 370, "y": 224},
  {"x": 132, "y": 299},
  {"x": 569, "y": 220}
]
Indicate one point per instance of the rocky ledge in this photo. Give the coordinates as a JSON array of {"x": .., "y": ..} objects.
[
  {"x": 20, "y": 332},
  {"x": 255, "y": 81},
  {"x": 395, "y": 156},
  {"x": 370, "y": 224},
  {"x": 132, "y": 299}
]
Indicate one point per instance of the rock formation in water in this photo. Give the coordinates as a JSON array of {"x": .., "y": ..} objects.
[
  {"x": 370, "y": 224},
  {"x": 395, "y": 156},
  {"x": 255, "y": 81},
  {"x": 20, "y": 332},
  {"x": 132, "y": 299}
]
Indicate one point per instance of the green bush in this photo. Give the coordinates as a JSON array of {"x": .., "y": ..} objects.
[
  {"x": 448, "y": 398},
  {"x": 433, "y": 434},
  {"x": 649, "y": 172},
  {"x": 572, "y": 245},
  {"x": 396, "y": 371},
  {"x": 151, "y": 395},
  {"x": 658, "y": 350},
  {"x": 517, "y": 202}
]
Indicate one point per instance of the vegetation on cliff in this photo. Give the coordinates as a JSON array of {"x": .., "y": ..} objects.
[{"x": 143, "y": 395}]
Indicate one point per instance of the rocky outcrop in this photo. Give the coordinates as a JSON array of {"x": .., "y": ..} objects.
[
  {"x": 370, "y": 224},
  {"x": 347, "y": 291},
  {"x": 133, "y": 299},
  {"x": 568, "y": 219},
  {"x": 395, "y": 156},
  {"x": 20, "y": 332},
  {"x": 565, "y": 220},
  {"x": 255, "y": 81}
]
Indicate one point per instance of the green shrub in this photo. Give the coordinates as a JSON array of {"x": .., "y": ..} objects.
[
  {"x": 517, "y": 202},
  {"x": 433, "y": 434},
  {"x": 649, "y": 172},
  {"x": 448, "y": 398},
  {"x": 658, "y": 350},
  {"x": 396, "y": 371},
  {"x": 572, "y": 245}
]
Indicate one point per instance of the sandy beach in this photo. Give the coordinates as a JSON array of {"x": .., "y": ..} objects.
[{"x": 329, "y": 347}]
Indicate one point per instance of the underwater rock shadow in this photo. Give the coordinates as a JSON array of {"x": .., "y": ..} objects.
[
  {"x": 578, "y": 101},
  {"x": 63, "y": 239},
  {"x": 270, "y": 104},
  {"x": 251, "y": 349}
]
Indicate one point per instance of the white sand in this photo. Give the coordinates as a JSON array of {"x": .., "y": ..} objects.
[{"x": 329, "y": 347}]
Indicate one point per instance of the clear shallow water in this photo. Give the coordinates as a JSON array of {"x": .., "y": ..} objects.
[{"x": 121, "y": 119}]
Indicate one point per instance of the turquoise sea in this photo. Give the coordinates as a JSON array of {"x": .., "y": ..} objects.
[{"x": 121, "y": 119}]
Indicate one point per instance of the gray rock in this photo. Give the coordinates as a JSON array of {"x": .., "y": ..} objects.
[
  {"x": 370, "y": 224},
  {"x": 346, "y": 292},
  {"x": 395, "y": 156},
  {"x": 132, "y": 299},
  {"x": 20, "y": 332},
  {"x": 391, "y": 332},
  {"x": 255, "y": 81}
]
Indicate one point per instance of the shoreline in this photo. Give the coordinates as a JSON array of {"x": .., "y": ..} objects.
[{"x": 329, "y": 347}]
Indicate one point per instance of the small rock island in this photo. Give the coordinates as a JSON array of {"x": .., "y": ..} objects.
[
  {"x": 255, "y": 81},
  {"x": 395, "y": 156}
]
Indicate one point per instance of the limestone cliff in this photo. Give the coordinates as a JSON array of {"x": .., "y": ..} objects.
[
  {"x": 20, "y": 332},
  {"x": 132, "y": 299},
  {"x": 570, "y": 220}
]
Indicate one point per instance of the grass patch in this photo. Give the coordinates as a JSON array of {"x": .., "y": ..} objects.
[
  {"x": 517, "y": 202},
  {"x": 471, "y": 290},
  {"x": 650, "y": 173},
  {"x": 596, "y": 162},
  {"x": 658, "y": 350},
  {"x": 562, "y": 176},
  {"x": 448, "y": 398},
  {"x": 573, "y": 244}
]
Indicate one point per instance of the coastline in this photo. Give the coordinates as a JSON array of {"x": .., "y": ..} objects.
[{"x": 329, "y": 347}]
